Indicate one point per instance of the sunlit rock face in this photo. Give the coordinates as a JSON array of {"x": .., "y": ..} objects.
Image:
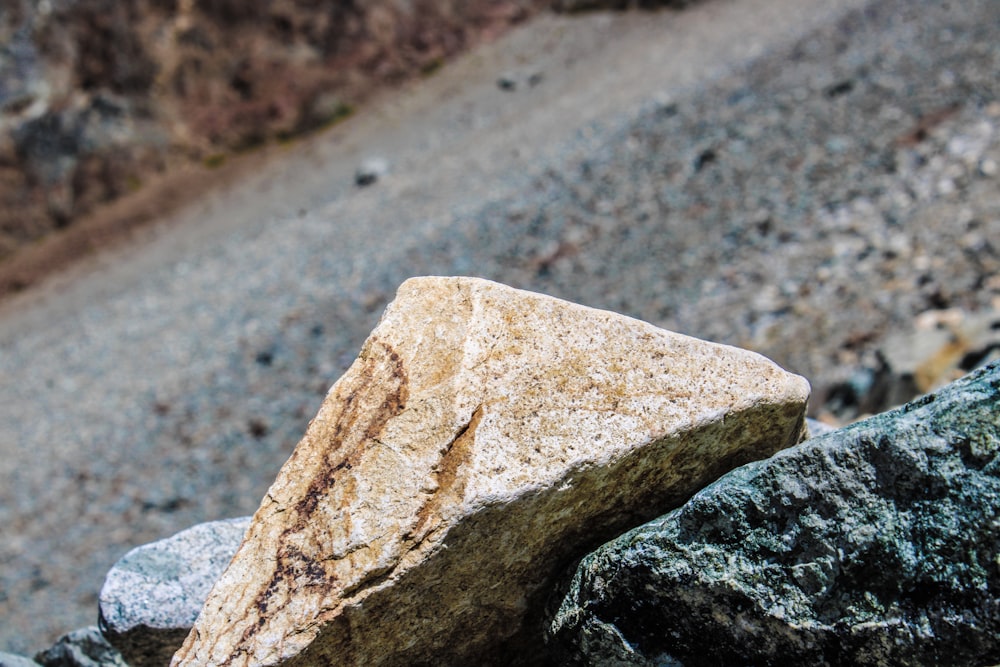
[{"x": 484, "y": 437}]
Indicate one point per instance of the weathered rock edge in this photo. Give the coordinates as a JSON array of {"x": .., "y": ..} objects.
[
  {"x": 153, "y": 594},
  {"x": 875, "y": 544},
  {"x": 483, "y": 438}
]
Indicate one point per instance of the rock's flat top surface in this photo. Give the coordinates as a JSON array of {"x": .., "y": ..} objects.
[{"x": 484, "y": 436}]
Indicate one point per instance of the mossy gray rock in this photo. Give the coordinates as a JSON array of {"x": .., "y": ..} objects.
[{"x": 875, "y": 544}]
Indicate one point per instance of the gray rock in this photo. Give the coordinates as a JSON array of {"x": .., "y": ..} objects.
[
  {"x": 85, "y": 647},
  {"x": 11, "y": 660},
  {"x": 510, "y": 81},
  {"x": 875, "y": 544},
  {"x": 152, "y": 596},
  {"x": 370, "y": 171},
  {"x": 507, "y": 82}
]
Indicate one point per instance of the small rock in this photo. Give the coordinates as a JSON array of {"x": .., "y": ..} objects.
[
  {"x": 370, "y": 171},
  {"x": 484, "y": 437},
  {"x": 507, "y": 82},
  {"x": 152, "y": 596},
  {"x": 872, "y": 545},
  {"x": 86, "y": 647},
  {"x": 574, "y": 6}
]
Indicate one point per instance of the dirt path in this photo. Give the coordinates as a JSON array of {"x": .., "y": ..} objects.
[{"x": 457, "y": 122}]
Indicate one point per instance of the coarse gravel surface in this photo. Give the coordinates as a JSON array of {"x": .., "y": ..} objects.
[{"x": 795, "y": 177}]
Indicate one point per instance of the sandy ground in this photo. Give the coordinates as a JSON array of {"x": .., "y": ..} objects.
[{"x": 163, "y": 382}]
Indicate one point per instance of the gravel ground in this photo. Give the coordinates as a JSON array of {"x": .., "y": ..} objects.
[{"x": 803, "y": 204}]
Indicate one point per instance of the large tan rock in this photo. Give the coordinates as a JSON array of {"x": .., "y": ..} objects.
[{"x": 484, "y": 438}]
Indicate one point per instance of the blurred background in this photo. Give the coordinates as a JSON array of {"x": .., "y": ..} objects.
[{"x": 206, "y": 204}]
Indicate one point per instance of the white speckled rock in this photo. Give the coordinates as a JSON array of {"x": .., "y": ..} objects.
[
  {"x": 152, "y": 596},
  {"x": 484, "y": 437}
]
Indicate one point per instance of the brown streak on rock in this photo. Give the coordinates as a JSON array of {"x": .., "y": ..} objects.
[
  {"x": 294, "y": 563},
  {"x": 345, "y": 426},
  {"x": 456, "y": 454}
]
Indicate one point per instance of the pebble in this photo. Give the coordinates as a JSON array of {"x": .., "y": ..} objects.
[{"x": 370, "y": 171}]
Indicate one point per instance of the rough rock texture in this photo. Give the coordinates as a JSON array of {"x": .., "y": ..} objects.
[
  {"x": 873, "y": 545},
  {"x": 483, "y": 437},
  {"x": 81, "y": 648},
  {"x": 97, "y": 95},
  {"x": 152, "y": 596}
]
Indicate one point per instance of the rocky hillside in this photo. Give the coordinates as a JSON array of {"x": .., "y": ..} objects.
[{"x": 97, "y": 97}]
